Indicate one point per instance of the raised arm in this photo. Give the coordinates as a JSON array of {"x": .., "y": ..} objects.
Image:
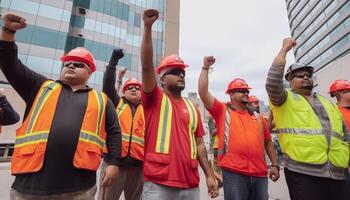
[
  {"x": 203, "y": 82},
  {"x": 25, "y": 81},
  {"x": 274, "y": 82},
  {"x": 121, "y": 74},
  {"x": 109, "y": 77},
  {"x": 148, "y": 74}
]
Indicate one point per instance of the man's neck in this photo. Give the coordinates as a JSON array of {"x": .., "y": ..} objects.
[
  {"x": 173, "y": 94},
  {"x": 75, "y": 87},
  {"x": 343, "y": 103},
  {"x": 238, "y": 106}
]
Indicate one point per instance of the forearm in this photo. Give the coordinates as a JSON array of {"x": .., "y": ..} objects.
[
  {"x": 148, "y": 73},
  {"x": 271, "y": 152},
  {"x": 7, "y": 36},
  {"x": 113, "y": 138},
  {"x": 202, "y": 157},
  {"x": 203, "y": 91},
  {"x": 274, "y": 82},
  {"x": 108, "y": 84}
]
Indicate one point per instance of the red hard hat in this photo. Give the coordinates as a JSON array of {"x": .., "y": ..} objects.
[
  {"x": 80, "y": 54},
  {"x": 237, "y": 83},
  {"x": 253, "y": 98},
  {"x": 172, "y": 60},
  {"x": 132, "y": 81},
  {"x": 339, "y": 85}
]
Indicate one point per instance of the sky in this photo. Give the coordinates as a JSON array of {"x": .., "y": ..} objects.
[{"x": 244, "y": 37}]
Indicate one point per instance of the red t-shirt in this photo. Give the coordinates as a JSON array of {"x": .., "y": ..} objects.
[
  {"x": 176, "y": 169},
  {"x": 346, "y": 115},
  {"x": 245, "y": 144}
]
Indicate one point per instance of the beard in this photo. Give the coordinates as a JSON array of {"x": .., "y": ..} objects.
[
  {"x": 307, "y": 86},
  {"x": 176, "y": 88}
]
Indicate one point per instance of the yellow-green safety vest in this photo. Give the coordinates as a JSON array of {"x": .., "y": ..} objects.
[{"x": 301, "y": 136}]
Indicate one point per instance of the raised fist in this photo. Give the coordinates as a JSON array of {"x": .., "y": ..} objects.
[
  {"x": 208, "y": 61},
  {"x": 288, "y": 43},
  {"x": 2, "y": 92},
  {"x": 116, "y": 55},
  {"x": 122, "y": 71},
  {"x": 13, "y": 22},
  {"x": 150, "y": 16}
]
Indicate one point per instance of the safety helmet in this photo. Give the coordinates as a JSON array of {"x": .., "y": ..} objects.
[
  {"x": 253, "y": 98},
  {"x": 171, "y": 61},
  {"x": 338, "y": 85},
  {"x": 297, "y": 66},
  {"x": 80, "y": 54},
  {"x": 237, "y": 83},
  {"x": 132, "y": 81}
]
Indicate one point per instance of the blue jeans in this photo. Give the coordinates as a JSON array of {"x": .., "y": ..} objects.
[{"x": 243, "y": 187}]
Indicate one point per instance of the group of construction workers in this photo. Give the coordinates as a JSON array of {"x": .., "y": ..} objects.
[{"x": 147, "y": 140}]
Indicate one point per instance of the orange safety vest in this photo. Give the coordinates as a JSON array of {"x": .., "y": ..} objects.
[
  {"x": 32, "y": 136},
  {"x": 133, "y": 130}
]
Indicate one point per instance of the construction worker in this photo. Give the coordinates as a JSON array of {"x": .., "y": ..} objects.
[
  {"x": 243, "y": 139},
  {"x": 340, "y": 89},
  {"x": 8, "y": 115},
  {"x": 65, "y": 129},
  {"x": 173, "y": 138},
  {"x": 254, "y": 103},
  {"x": 311, "y": 132},
  {"x": 132, "y": 124}
]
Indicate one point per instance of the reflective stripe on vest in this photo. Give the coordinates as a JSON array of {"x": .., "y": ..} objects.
[
  {"x": 164, "y": 126},
  {"x": 126, "y": 138},
  {"x": 226, "y": 132}
]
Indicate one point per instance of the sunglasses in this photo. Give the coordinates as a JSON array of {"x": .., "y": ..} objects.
[
  {"x": 75, "y": 64},
  {"x": 133, "y": 87},
  {"x": 175, "y": 72},
  {"x": 302, "y": 76},
  {"x": 243, "y": 91}
]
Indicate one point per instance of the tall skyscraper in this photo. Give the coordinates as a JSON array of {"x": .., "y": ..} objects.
[
  {"x": 322, "y": 31},
  {"x": 57, "y": 26}
]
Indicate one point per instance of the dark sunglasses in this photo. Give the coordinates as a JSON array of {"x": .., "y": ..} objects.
[
  {"x": 75, "y": 64},
  {"x": 243, "y": 91},
  {"x": 175, "y": 72},
  {"x": 133, "y": 87},
  {"x": 302, "y": 76}
]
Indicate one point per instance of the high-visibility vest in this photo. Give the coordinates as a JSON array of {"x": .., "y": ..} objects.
[
  {"x": 164, "y": 126},
  {"x": 301, "y": 135},
  {"x": 132, "y": 128},
  {"x": 32, "y": 136}
]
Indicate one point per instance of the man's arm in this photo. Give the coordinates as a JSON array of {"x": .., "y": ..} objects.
[
  {"x": 109, "y": 77},
  {"x": 271, "y": 152},
  {"x": 121, "y": 75},
  {"x": 8, "y": 114},
  {"x": 274, "y": 81},
  {"x": 25, "y": 81},
  {"x": 203, "y": 82},
  {"x": 202, "y": 158},
  {"x": 148, "y": 75}
]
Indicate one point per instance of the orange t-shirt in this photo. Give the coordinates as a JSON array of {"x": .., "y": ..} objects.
[
  {"x": 346, "y": 115},
  {"x": 245, "y": 152}
]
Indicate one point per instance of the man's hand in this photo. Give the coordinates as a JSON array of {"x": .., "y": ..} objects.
[
  {"x": 208, "y": 61},
  {"x": 116, "y": 55},
  {"x": 13, "y": 22},
  {"x": 110, "y": 175},
  {"x": 213, "y": 190},
  {"x": 2, "y": 92},
  {"x": 274, "y": 174},
  {"x": 288, "y": 44},
  {"x": 122, "y": 71},
  {"x": 150, "y": 16}
]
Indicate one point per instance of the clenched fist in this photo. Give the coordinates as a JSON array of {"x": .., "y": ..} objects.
[
  {"x": 122, "y": 71},
  {"x": 150, "y": 16},
  {"x": 288, "y": 44},
  {"x": 208, "y": 61},
  {"x": 13, "y": 22}
]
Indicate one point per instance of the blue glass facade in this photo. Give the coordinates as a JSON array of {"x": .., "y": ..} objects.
[
  {"x": 57, "y": 26},
  {"x": 321, "y": 29}
]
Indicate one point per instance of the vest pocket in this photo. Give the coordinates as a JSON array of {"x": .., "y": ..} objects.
[
  {"x": 87, "y": 157},
  {"x": 157, "y": 165}
]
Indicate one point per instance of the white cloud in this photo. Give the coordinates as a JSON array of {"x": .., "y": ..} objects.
[{"x": 244, "y": 36}]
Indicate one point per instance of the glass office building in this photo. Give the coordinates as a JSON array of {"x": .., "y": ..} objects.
[
  {"x": 57, "y": 26},
  {"x": 321, "y": 29}
]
